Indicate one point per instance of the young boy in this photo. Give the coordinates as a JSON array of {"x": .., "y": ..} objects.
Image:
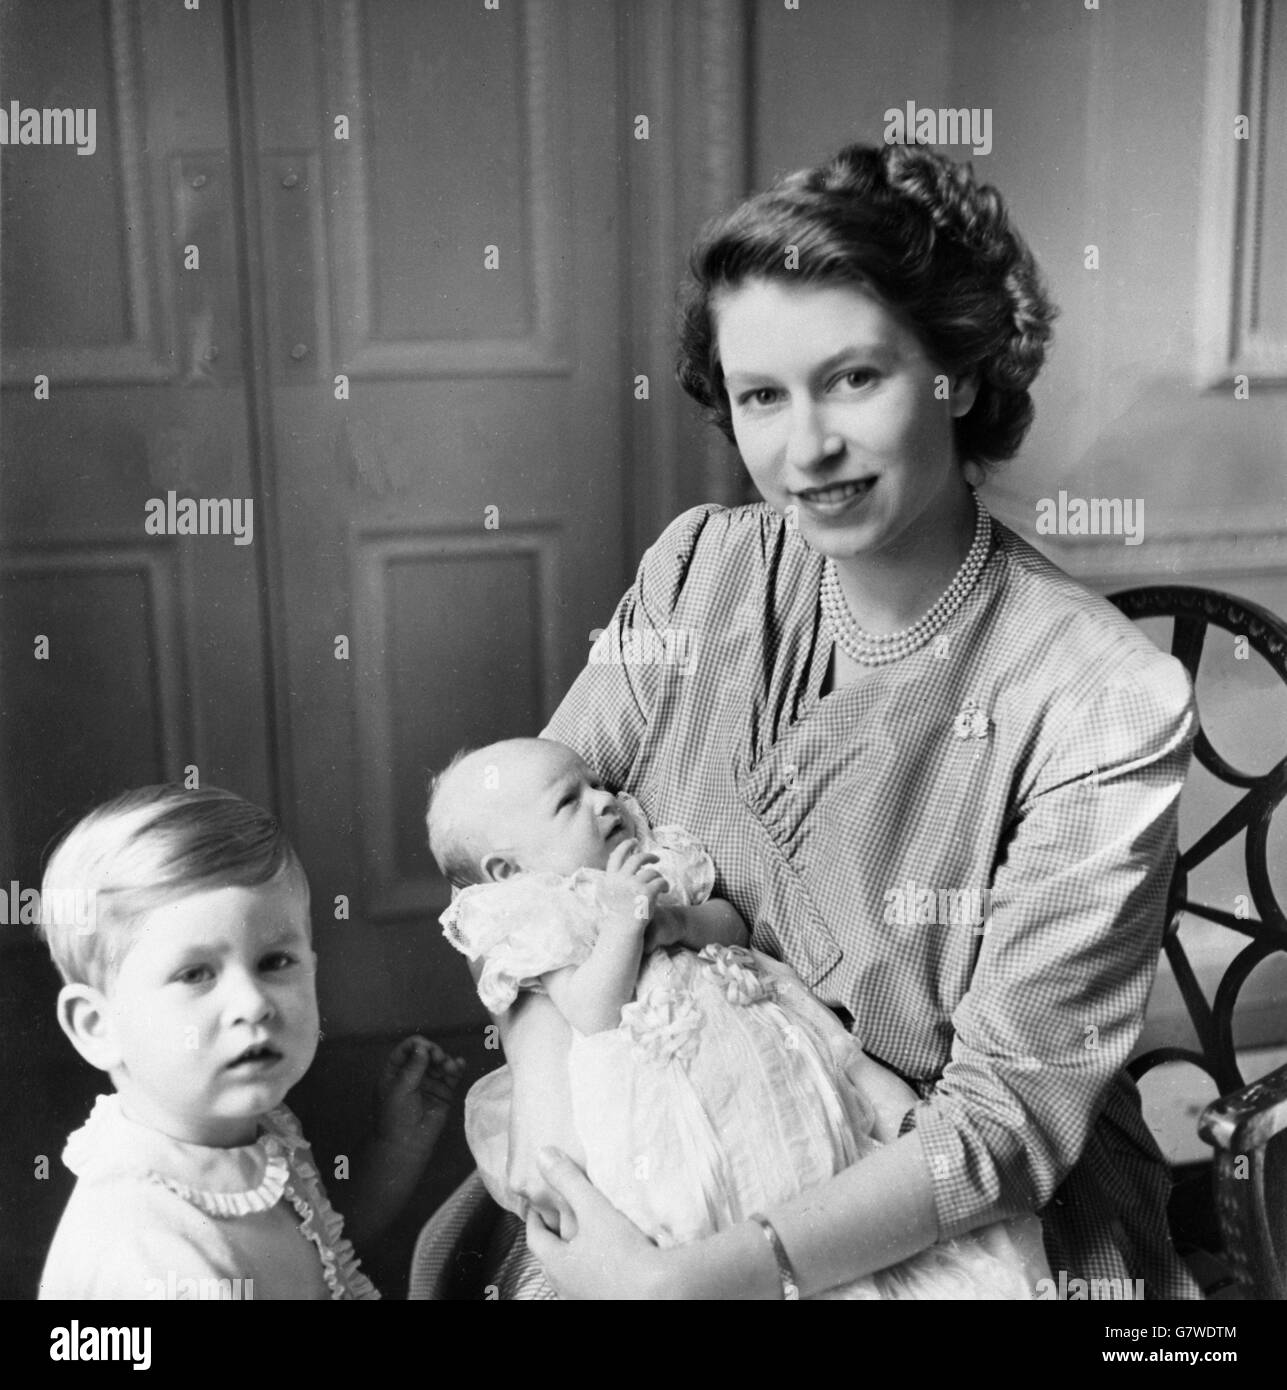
[{"x": 179, "y": 921}]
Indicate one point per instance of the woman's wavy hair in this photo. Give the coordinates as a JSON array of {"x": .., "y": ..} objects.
[{"x": 914, "y": 229}]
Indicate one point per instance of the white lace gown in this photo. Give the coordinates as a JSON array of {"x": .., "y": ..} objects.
[{"x": 727, "y": 1089}]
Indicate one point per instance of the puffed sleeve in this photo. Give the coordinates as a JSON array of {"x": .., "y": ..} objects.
[
  {"x": 605, "y": 712},
  {"x": 687, "y": 866},
  {"x": 1057, "y": 998},
  {"x": 522, "y": 928}
]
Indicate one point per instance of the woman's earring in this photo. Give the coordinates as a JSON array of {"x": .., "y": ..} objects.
[{"x": 972, "y": 473}]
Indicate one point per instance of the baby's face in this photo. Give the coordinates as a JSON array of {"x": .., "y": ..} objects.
[
  {"x": 213, "y": 1011},
  {"x": 557, "y": 816}
]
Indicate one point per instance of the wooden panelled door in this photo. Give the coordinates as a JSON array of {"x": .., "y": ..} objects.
[
  {"x": 387, "y": 272},
  {"x": 125, "y": 657},
  {"x": 458, "y": 521},
  {"x": 377, "y": 346}
]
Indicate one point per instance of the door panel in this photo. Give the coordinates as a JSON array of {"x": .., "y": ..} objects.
[
  {"x": 145, "y": 396},
  {"x": 458, "y": 515},
  {"x": 470, "y": 389},
  {"x": 156, "y": 647}
]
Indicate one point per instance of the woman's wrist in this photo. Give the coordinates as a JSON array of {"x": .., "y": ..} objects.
[
  {"x": 735, "y": 1264},
  {"x": 787, "y": 1280}
]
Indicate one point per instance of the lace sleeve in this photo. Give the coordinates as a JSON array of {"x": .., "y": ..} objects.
[
  {"x": 689, "y": 870},
  {"x": 521, "y": 929}
]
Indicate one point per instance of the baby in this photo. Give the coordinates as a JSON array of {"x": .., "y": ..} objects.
[
  {"x": 707, "y": 1083},
  {"x": 190, "y": 982}
]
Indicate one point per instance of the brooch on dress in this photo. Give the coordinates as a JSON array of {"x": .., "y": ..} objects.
[{"x": 971, "y": 722}]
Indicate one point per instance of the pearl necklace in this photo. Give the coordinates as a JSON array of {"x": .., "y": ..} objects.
[{"x": 876, "y": 649}]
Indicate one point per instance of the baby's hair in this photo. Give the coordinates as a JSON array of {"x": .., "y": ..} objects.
[
  {"x": 141, "y": 850},
  {"x": 913, "y": 228},
  {"x": 448, "y": 842},
  {"x": 456, "y": 836}
]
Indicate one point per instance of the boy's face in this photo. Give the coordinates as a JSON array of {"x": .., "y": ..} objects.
[
  {"x": 213, "y": 1011},
  {"x": 557, "y": 816}
]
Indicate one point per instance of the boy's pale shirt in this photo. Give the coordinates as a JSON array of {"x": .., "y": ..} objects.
[{"x": 125, "y": 1234}]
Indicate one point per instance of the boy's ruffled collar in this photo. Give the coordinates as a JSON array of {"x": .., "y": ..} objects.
[
  {"x": 225, "y": 1183},
  {"x": 221, "y": 1182}
]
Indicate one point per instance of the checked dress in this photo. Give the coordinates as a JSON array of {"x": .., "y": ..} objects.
[{"x": 1030, "y": 760}]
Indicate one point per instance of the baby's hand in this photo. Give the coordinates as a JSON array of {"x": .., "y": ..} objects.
[
  {"x": 415, "y": 1093},
  {"x": 634, "y": 883}
]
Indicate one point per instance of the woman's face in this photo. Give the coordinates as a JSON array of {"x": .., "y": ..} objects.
[{"x": 839, "y": 416}]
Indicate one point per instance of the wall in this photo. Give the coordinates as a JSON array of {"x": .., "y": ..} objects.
[
  {"x": 825, "y": 74},
  {"x": 1098, "y": 127}
]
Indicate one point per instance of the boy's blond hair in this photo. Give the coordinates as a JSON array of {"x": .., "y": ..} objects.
[{"x": 141, "y": 850}]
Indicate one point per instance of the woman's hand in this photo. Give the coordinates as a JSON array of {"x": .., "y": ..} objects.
[
  {"x": 712, "y": 923},
  {"x": 607, "y": 1256},
  {"x": 414, "y": 1095},
  {"x": 540, "y": 1201},
  {"x": 667, "y": 928}
]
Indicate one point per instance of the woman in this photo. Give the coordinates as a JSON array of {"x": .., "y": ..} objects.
[{"x": 892, "y": 700}]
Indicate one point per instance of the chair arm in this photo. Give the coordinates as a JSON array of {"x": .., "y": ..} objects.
[
  {"x": 1249, "y": 1118},
  {"x": 447, "y": 1263},
  {"x": 1251, "y": 1182}
]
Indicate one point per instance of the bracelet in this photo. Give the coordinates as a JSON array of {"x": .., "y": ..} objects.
[{"x": 786, "y": 1274}]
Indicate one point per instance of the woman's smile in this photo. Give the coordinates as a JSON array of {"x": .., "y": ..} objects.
[
  {"x": 841, "y": 414},
  {"x": 834, "y": 499}
]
